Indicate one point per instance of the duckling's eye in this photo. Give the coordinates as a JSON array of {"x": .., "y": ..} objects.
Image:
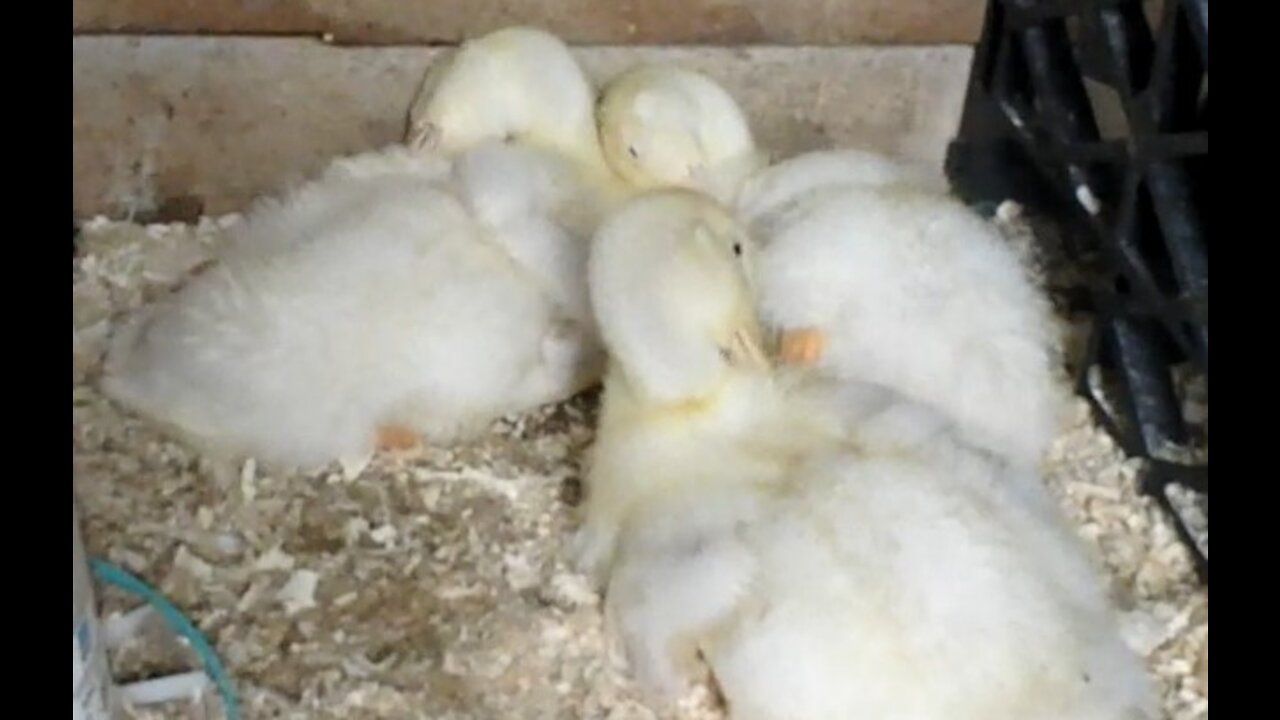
[
  {"x": 737, "y": 249},
  {"x": 632, "y": 151}
]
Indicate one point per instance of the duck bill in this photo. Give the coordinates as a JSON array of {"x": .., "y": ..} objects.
[
  {"x": 746, "y": 351},
  {"x": 424, "y": 137}
]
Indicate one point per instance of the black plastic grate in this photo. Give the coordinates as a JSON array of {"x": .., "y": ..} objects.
[{"x": 1097, "y": 112}]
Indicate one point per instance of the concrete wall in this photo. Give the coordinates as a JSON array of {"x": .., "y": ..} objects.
[
  {"x": 601, "y": 22},
  {"x": 168, "y": 125}
]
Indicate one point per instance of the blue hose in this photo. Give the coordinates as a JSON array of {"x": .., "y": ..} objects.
[{"x": 113, "y": 575}]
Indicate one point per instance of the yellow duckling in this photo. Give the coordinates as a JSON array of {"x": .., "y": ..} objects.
[{"x": 825, "y": 551}]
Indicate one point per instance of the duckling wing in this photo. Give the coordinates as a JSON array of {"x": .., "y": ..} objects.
[
  {"x": 537, "y": 207},
  {"x": 348, "y": 191}
]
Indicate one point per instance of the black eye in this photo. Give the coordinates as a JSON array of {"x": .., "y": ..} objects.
[
  {"x": 633, "y": 152},
  {"x": 737, "y": 249}
]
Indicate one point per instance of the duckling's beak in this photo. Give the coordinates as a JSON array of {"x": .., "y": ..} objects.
[
  {"x": 423, "y": 136},
  {"x": 802, "y": 346},
  {"x": 744, "y": 351}
]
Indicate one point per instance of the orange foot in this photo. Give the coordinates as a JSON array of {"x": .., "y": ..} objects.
[
  {"x": 802, "y": 346},
  {"x": 396, "y": 438}
]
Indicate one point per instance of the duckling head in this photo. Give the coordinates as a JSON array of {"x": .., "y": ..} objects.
[
  {"x": 515, "y": 84},
  {"x": 667, "y": 126},
  {"x": 671, "y": 288}
]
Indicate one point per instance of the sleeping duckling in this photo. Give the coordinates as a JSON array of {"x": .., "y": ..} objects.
[
  {"x": 914, "y": 291},
  {"x": 868, "y": 269},
  {"x": 498, "y": 86},
  {"x": 401, "y": 293},
  {"x": 664, "y": 126},
  {"x": 516, "y": 113},
  {"x": 823, "y": 557},
  {"x": 391, "y": 312},
  {"x": 518, "y": 84}
]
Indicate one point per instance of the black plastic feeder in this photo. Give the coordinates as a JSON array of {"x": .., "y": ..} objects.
[{"x": 1096, "y": 113}]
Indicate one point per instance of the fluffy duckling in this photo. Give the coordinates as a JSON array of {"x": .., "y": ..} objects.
[
  {"x": 518, "y": 84},
  {"x": 662, "y": 125},
  {"x": 516, "y": 113},
  {"x": 740, "y": 528},
  {"x": 868, "y": 269},
  {"x": 401, "y": 293},
  {"x": 688, "y": 271},
  {"x": 665, "y": 126},
  {"x": 913, "y": 291},
  {"x": 383, "y": 313}
]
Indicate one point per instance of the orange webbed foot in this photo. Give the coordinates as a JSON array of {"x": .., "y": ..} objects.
[{"x": 396, "y": 438}]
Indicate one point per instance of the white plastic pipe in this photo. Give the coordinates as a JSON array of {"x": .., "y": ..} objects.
[
  {"x": 159, "y": 690},
  {"x": 92, "y": 696},
  {"x": 119, "y": 629}
]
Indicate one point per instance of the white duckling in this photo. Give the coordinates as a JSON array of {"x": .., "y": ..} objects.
[
  {"x": 392, "y": 317},
  {"x": 516, "y": 112},
  {"x": 741, "y": 529},
  {"x": 519, "y": 84},
  {"x": 665, "y": 126},
  {"x": 868, "y": 269},
  {"x": 402, "y": 293},
  {"x": 500, "y": 86}
]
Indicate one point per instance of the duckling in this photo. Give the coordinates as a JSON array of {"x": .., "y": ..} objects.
[
  {"x": 391, "y": 314},
  {"x": 822, "y": 556},
  {"x": 912, "y": 290},
  {"x": 659, "y": 357},
  {"x": 403, "y": 292},
  {"x": 518, "y": 84},
  {"x": 868, "y": 269},
  {"x": 662, "y": 125},
  {"x": 516, "y": 113}
]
